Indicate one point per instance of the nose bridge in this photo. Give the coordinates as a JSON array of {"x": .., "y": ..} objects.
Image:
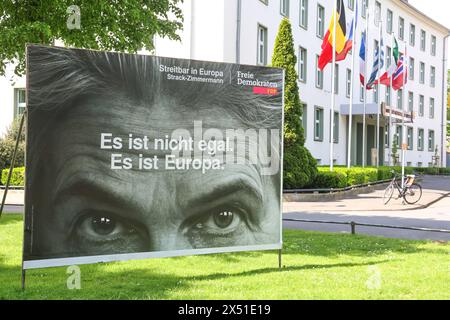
[{"x": 164, "y": 218}]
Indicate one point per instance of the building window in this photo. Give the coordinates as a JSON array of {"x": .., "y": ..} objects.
[
  {"x": 433, "y": 45},
  {"x": 304, "y": 119},
  {"x": 388, "y": 56},
  {"x": 410, "y": 101},
  {"x": 336, "y": 79},
  {"x": 423, "y": 40},
  {"x": 412, "y": 35},
  {"x": 422, "y": 73},
  {"x": 401, "y": 28},
  {"x": 335, "y": 128},
  {"x": 390, "y": 21},
  {"x": 411, "y": 68},
  {"x": 398, "y": 135},
  {"x": 400, "y": 99},
  {"x": 432, "y": 76},
  {"x": 420, "y": 140},
  {"x": 302, "y": 64},
  {"x": 421, "y": 105},
  {"x": 320, "y": 21},
  {"x": 377, "y": 13},
  {"x": 348, "y": 83},
  {"x": 318, "y": 124},
  {"x": 262, "y": 45},
  {"x": 431, "y": 108},
  {"x": 319, "y": 75},
  {"x": 284, "y": 7},
  {"x": 388, "y": 96},
  {"x": 351, "y": 4},
  {"x": 20, "y": 102},
  {"x": 304, "y": 14},
  {"x": 431, "y": 140},
  {"x": 410, "y": 138},
  {"x": 365, "y": 6}
]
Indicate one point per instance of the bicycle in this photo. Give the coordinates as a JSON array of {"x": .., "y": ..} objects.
[{"x": 411, "y": 192}]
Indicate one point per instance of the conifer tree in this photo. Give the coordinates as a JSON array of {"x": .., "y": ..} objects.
[{"x": 299, "y": 165}]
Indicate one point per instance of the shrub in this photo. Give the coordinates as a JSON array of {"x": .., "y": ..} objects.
[
  {"x": 299, "y": 168},
  {"x": 357, "y": 176},
  {"x": 333, "y": 180},
  {"x": 384, "y": 173},
  {"x": 7, "y": 145},
  {"x": 17, "y": 177}
]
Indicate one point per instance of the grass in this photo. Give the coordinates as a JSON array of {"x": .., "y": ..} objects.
[{"x": 316, "y": 266}]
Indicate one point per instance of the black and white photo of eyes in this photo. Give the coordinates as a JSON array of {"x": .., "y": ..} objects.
[{"x": 84, "y": 206}]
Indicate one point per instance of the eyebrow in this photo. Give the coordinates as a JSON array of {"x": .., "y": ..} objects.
[
  {"x": 94, "y": 189},
  {"x": 222, "y": 190}
]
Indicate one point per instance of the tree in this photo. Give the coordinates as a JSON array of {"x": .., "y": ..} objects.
[
  {"x": 124, "y": 26},
  {"x": 299, "y": 165}
]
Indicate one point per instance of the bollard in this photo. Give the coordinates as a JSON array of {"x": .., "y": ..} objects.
[{"x": 353, "y": 226}]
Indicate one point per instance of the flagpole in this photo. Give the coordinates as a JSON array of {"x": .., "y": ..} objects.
[
  {"x": 365, "y": 90},
  {"x": 333, "y": 97},
  {"x": 350, "y": 120},
  {"x": 403, "y": 117},
  {"x": 378, "y": 95},
  {"x": 390, "y": 102}
]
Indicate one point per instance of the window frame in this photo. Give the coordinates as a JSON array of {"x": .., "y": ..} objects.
[
  {"x": 420, "y": 139},
  {"x": 318, "y": 122},
  {"x": 284, "y": 4},
  {"x": 306, "y": 9},
  {"x": 258, "y": 45},
  {"x": 401, "y": 28},
  {"x": 320, "y": 24},
  {"x": 319, "y": 75}
]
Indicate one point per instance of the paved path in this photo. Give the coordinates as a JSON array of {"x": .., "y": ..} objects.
[
  {"x": 434, "y": 189},
  {"x": 368, "y": 208}
]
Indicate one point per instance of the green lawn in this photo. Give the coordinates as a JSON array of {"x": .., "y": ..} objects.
[{"x": 316, "y": 266}]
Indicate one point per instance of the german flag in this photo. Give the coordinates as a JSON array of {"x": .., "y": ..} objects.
[{"x": 341, "y": 32}]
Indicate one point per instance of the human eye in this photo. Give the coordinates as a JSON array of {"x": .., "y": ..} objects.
[
  {"x": 99, "y": 232},
  {"x": 219, "y": 226}
]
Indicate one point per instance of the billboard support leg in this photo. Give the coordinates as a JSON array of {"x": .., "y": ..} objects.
[
  {"x": 23, "y": 278},
  {"x": 279, "y": 259}
]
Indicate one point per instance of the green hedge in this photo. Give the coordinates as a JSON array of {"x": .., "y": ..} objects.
[
  {"x": 17, "y": 177},
  {"x": 326, "y": 180},
  {"x": 343, "y": 177}
]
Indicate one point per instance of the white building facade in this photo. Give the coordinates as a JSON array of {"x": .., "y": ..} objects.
[{"x": 244, "y": 31}]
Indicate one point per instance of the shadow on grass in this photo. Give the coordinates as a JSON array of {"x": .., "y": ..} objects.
[{"x": 136, "y": 283}]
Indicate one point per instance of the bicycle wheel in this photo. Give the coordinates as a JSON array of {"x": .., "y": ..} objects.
[
  {"x": 388, "y": 193},
  {"x": 413, "y": 194}
]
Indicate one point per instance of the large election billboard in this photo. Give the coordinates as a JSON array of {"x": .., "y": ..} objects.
[{"x": 136, "y": 156}]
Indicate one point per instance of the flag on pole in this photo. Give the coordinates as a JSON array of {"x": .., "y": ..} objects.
[
  {"x": 378, "y": 64},
  {"x": 350, "y": 37},
  {"x": 385, "y": 78},
  {"x": 399, "y": 79},
  {"x": 341, "y": 31},
  {"x": 362, "y": 59}
]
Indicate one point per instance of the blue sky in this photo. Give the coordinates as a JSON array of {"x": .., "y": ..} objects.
[{"x": 438, "y": 10}]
